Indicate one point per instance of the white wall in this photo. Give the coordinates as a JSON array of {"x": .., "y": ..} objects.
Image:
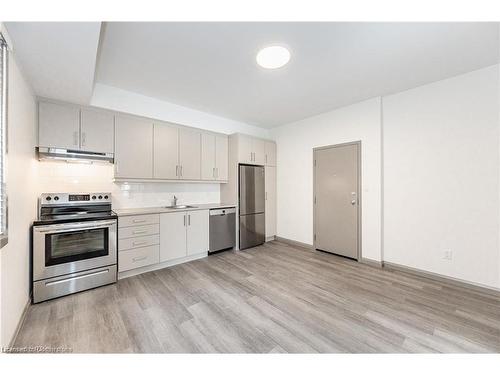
[
  {"x": 295, "y": 143},
  {"x": 21, "y": 177},
  {"x": 441, "y": 169},
  {"x": 126, "y": 101}
]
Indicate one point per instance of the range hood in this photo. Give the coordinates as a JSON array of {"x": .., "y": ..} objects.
[{"x": 50, "y": 153}]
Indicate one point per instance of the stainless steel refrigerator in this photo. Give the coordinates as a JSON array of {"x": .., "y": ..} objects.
[{"x": 252, "y": 206}]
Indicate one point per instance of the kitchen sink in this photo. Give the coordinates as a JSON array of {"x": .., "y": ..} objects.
[{"x": 179, "y": 206}]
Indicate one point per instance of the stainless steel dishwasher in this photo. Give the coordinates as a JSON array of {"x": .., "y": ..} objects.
[{"x": 222, "y": 229}]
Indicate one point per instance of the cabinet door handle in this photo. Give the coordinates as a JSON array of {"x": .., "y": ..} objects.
[
  {"x": 266, "y": 195},
  {"x": 84, "y": 138},
  {"x": 213, "y": 172},
  {"x": 266, "y": 158},
  {"x": 184, "y": 220},
  {"x": 139, "y": 243},
  {"x": 75, "y": 138},
  {"x": 139, "y": 231},
  {"x": 180, "y": 169},
  {"x": 139, "y": 221},
  {"x": 216, "y": 172},
  {"x": 138, "y": 259},
  {"x": 189, "y": 219}
]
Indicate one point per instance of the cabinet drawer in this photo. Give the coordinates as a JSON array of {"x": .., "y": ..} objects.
[
  {"x": 135, "y": 242},
  {"x": 135, "y": 258},
  {"x": 132, "y": 221},
  {"x": 139, "y": 231}
]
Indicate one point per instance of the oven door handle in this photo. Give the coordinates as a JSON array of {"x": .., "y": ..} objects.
[
  {"x": 76, "y": 277},
  {"x": 58, "y": 228}
]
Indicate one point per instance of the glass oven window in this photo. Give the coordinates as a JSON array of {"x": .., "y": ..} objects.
[{"x": 68, "y": 247}]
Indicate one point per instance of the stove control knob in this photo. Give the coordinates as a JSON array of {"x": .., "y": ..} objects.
[
  {"x": 100, "y": 196},
  {"x": 48, "y": 198},
  {"x": 56, "y": 198},
  {"x": 93, "y": 196},
  {"x": 106, "y": 197}
]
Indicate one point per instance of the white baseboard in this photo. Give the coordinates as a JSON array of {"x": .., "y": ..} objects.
[{"x": 159, "y": 266}]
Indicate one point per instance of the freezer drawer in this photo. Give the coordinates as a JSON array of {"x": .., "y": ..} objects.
[
  {"x": 222, "y": 229},
  {"x": 252, "y": 230}
]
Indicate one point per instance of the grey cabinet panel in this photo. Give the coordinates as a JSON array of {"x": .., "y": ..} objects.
[
  {"x": 166, "y": 151},
  {"x": 133, "y": 147},
  {"x": 58, "y": 125},
  {"x": 97, "y": 131}
]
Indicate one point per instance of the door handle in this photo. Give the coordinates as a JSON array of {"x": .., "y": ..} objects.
[
  {"x": 189, "y": 220},
  {"x": 138, "y": 259},
  {"x": 176, "y": 171},
  {"x": 353, "y": 202},
  {"x": 84, "y": 138},
  {"x": 184, "y": 220},
  {"x": 216, "y": 172},
  {"x": 75, "y": 138}
]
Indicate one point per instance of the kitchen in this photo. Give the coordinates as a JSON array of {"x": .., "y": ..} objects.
[
  {"x": 209, "y": 192},
  {"x": 142, "y": 151}
]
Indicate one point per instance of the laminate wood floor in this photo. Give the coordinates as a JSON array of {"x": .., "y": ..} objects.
[{"x": 270, "y": 299}]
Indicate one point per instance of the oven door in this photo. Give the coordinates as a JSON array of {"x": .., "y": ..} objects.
[{"x": 61, "y": 249}]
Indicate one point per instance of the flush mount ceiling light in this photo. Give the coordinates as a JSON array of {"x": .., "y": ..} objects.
[{"x": 273, "y": 57}]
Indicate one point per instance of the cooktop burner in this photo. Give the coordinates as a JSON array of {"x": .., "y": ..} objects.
[{"x": 55, "y": 208}]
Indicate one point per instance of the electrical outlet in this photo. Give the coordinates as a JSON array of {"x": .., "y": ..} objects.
[{"x": 448, "y": 255}]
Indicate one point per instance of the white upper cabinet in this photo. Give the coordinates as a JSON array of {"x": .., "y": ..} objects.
[
  {"x": 221, "y": 157},
  {"x": 166, "y": 151},
  {"x": 189, "y": 154},
  {"x": 251, "y": 150},
  {"x": 208, "y": 155},
  {"x": 58, "y": 125},
  {"x": 214, "y": 157},
  {"x": 270, "y": 154},
  {"x": 245, "y": 149},
  {"x": 133, "y": 147},
  {"x": 259, "y": 151},
  {"x": 97, "y": 131}
]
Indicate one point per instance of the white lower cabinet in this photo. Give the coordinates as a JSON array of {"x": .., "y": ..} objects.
[
  {"x": 140, "y": 257},
  {"x": 197, "y": 232},
  {"x": 146, "y": 240},
  {"x": 172, "y": 236},
  {"x": 183, "y": 234}
]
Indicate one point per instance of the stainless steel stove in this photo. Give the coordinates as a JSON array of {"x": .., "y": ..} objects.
[{"x": 74, "y": 244}]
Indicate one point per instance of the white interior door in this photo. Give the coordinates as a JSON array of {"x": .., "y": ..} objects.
[
  {"x": 336, "y": 193},
  {"x": 166, "y": 151},
  {"x": 197, "y": 232},
  {"x": 172, "y": 235}
]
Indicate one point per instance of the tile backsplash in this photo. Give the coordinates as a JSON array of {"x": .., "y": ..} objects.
[{"x": 57, "y": 176}]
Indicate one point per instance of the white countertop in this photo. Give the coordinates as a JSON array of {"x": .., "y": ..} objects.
[{"x": 159, "y": 210}]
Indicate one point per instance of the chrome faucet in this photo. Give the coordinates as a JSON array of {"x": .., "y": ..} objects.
[{"x": 175, "y": 200}]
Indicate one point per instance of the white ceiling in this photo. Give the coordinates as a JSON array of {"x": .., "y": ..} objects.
[
  {"x": 59, "y": 58},
  {"x": 211, "y": 66}
]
